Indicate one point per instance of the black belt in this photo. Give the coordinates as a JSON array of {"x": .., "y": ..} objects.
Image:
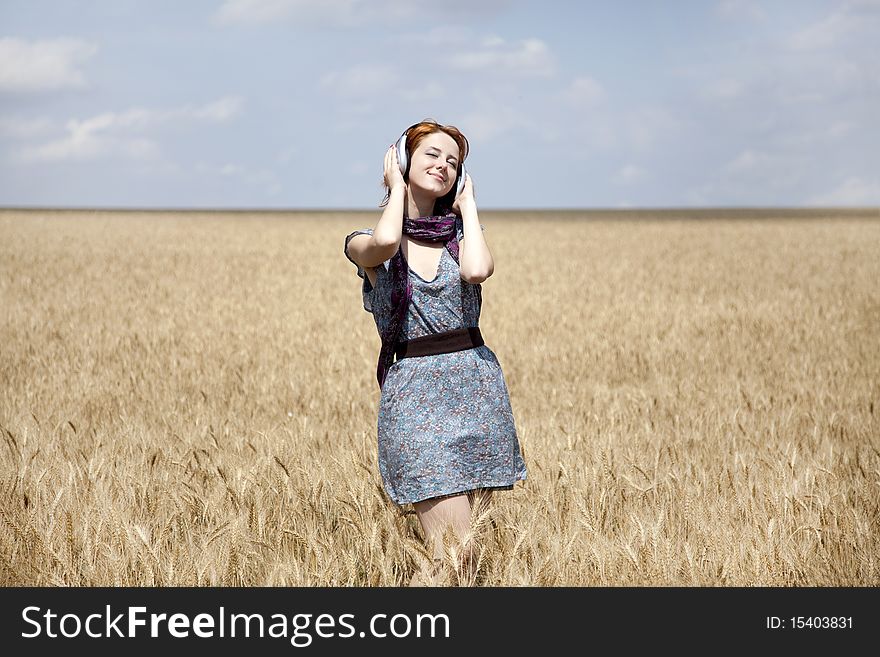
[{"x": 440, "y": 343}]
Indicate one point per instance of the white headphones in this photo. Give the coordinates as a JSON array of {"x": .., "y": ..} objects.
[{"x": 403, "y": 161}]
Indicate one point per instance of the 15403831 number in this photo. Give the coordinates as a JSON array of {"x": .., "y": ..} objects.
[{"x": 821, "y": 622}]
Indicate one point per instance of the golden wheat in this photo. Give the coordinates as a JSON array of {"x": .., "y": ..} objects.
[{"x": 190, "y": 399}]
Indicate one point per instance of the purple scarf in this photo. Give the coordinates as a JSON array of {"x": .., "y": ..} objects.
[{"x": 437, "y": 228}]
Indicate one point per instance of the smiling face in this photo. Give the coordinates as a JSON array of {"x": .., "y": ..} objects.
[{"x": 434, "y": 164}]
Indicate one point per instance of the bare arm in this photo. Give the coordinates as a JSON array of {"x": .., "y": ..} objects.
[
  {"x": 373, "y": 250},
  {"x": 474, "y": 258}
]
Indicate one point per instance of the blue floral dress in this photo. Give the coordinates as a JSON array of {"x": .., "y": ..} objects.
[{"x": 445, "y": 422}]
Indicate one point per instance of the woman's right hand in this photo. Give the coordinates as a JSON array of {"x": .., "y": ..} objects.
[{"x": 393, "y": 177}]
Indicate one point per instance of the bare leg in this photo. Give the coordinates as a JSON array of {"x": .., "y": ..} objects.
[
  {"x": 438, "y": 516},
  {"x": 460, "y": 514}
]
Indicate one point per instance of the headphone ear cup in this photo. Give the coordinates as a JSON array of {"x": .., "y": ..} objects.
[
  {"x": 401, "y": 153},
  {"x": 459, "y": 185}
]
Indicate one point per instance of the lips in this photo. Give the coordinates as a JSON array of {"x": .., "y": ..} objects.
[{"x": 440, "y": 178}]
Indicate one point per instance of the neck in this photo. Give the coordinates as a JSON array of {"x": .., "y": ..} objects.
[{"x": 418, "y": 204}]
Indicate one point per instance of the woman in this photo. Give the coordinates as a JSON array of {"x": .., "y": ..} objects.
[{"x": 446, "y": 431}]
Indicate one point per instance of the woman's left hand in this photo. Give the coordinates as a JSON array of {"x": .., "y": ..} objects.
[{"x": 467, "y": 194}]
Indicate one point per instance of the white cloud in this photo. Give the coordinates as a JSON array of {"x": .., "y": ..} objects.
[
  {"x": 287, "y": 155},
  {"x": 431, "y": 90},
  {"x": 840, "y": 129},
  {"x": 741, "y": 10},
  {"x": 264, "y": 180},
  {"x": 492, "y": 41},
  {"x": 220, "y": 110},
  {"x": 754, "y": 177},
  {"x": 780, "y": 169},
  {"x": 81, "y": 143},
  {"x": 748, "y": 161},
  {"x": 724, "y": 89},
  {"x": 362, "y": 80},
  {"x": 437, "y": 35},
  {"x": 352, "y": 13},
  {"x": 584, "y": 91},
  {"x": 644, "y": 127},
  {"x": 789, "y": 63},
  {"x": 256, "y": 12},
  {"x": 47, "y": 65},
  {"x": 853, "y": 191},
  {"x": 853, "y": 19},
  {"x": 110, "y": 134},
  {"x": 16, "y": 128},
  {"x": 629, "y": 174},
  {"x": 530, "y": 57},
  {"x": 824, "y": 135},
  {"x": 599, "y": 133},
  {"x": 231, "y": 170},
  {"x": 364, "y": 87},
  {"x": 488, "y": 123}
]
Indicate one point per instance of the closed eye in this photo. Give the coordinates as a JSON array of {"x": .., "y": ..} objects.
[{"x": 452, "y": 162}]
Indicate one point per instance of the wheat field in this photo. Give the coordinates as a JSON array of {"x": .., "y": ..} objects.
[{"x": 189, "y": 399}]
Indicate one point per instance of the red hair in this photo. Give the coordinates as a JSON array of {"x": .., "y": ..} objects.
[{"x": 414, "y": 136}]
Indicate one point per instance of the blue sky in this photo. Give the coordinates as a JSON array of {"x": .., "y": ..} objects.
[{"x": 292, "y": 103}]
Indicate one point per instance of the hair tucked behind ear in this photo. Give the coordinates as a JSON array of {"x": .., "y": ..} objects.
[{"x": 414, "y": 136}]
